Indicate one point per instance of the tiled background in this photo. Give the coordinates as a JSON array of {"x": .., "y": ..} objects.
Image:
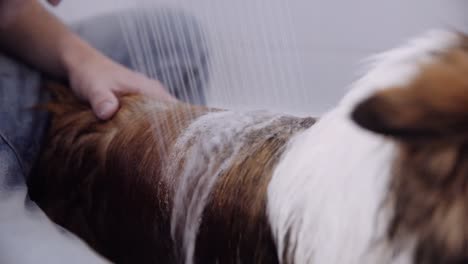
[{"x": 294, "y": 55}]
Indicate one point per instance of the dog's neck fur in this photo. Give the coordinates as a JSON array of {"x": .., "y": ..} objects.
[{"x": 329, "y": 195}]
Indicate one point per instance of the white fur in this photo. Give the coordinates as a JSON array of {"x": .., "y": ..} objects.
[{"x": 326, "y": 195}]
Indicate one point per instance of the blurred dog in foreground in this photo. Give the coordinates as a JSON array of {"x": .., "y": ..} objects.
[{"x": 176, "y": 183}]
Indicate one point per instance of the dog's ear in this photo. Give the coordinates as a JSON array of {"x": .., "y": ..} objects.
[
  {"x": 435, "y": 104},
  {"x": 389, "y": 114}
]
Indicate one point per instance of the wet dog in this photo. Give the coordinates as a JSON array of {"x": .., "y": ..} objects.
[
  {"x": 176, "y": 183},
  {"x": 163, "y": 182}
]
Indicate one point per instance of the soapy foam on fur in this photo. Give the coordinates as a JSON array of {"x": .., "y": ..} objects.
[{"x": 211, "y": 142}]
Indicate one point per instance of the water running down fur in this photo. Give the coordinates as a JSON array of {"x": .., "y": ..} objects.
[{"x": 175, "y": 183}]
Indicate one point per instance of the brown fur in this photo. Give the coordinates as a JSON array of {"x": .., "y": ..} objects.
[
  {"x": 429, "y": 190},
  {"x": 104, "y": 182}
]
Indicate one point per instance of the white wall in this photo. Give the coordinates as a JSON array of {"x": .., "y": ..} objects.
[{"x": 294, "y": 55}]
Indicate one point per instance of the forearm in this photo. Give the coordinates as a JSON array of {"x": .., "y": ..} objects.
[
  {"x": 35, "y": 36},
  {"x": 29, "y": 32}
]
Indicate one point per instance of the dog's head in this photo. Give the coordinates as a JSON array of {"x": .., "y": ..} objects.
[{"x": 428, "y": 119}]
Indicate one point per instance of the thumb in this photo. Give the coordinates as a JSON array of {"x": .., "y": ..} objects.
[{"x": 104, "y": 103}]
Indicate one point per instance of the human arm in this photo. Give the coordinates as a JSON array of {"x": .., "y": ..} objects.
[{"x": 29, "y": 32}]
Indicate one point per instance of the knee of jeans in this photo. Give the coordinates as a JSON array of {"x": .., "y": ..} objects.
[
  {"x": 19, "y": 85},
  {"x": 11, "y": 169},
  {"x": 9, "y": 67}
]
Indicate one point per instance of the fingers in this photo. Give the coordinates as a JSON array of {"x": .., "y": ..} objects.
[
  {"x": 103, "y": 102},
  {"x": 156, "y": 90},
  {"x": 54, "y": 2},
  {"x": 102, "y": 86},
  {"x": 149, "y": 87}
]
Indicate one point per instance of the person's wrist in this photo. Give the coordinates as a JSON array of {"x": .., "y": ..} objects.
[{"x": 75, "y": 53}]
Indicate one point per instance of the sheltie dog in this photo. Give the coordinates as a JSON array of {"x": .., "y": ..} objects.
[{"x": 381, "y": 178}]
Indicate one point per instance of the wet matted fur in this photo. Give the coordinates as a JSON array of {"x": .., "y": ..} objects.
[{"x": 114, "y": 183}]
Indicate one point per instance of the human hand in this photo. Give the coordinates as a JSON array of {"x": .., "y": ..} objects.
[{"x": 100, "y": 81}]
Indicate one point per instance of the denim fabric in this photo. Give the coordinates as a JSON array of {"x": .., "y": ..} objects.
[
  {"x": 26, "y": 234},
  {"x": 176, "y": 55}
]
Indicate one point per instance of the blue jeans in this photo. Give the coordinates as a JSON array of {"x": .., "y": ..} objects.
[{"x": 176, "y": 56}]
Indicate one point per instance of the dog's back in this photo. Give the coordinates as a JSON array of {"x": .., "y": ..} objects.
[{"x": 161, "y": 182}]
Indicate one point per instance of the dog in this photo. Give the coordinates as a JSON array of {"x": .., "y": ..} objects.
[
  {"x": 378, "y": 179},
  {"x": 135, "y": 187}
]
